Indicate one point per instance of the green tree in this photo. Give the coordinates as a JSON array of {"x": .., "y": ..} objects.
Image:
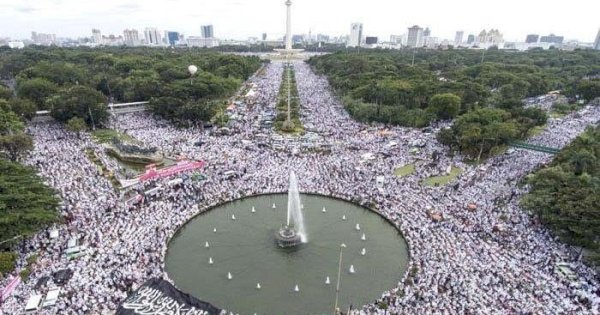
[
  {"x": 15, "y": 145},
  {"x": 37, "y": 90},
  {"x": 5, "y": 92},
  {"x": 589, "y": 89},
  {"x": 445, "y": 106},
  {"x": 79, "y": 101},
  {"x": 23, "y": 107}
]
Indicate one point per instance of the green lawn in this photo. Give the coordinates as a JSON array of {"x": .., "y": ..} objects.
[
  {"x": 106, "y": 135},
  {"x": 442, "y": 180},
  {"x": 405, "y": 170}
]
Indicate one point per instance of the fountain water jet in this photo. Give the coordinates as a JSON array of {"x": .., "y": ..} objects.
[
  {"x": 351, "y": 270},
  {"x": 258, "y": 286},
  {"x": 210, "y": 261},
  {"x": 229, "y": 276},
  {"x": 294, "y": 231},
  {"x": 296, "y": 288},
  {"x": 327, "y": 281}
]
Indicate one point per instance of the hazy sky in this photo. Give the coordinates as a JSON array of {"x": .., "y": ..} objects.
[{"x": 239, "y": 19}]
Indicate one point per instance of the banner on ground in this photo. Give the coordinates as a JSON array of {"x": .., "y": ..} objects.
[
  {"x": 8, "y": 290},
  {"x": 159, "y": 297}
]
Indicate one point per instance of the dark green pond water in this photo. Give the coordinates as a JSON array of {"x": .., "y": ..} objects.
[{"x": 245, "y": 247}]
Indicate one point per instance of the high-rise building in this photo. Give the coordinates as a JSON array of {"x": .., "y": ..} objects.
[
  {"x": 396, "y": 39},
  {"x": 493, "y": 37},
  {"x": 264, "y": 36},
  {"x": 427, "y": 32},
  {"x": 96, "y": 36},
  {"x": 43, "y": 39},
  {"x": 131, "y": 37},
  {"x": 356, "y": 35},
  {"x": 458, "y": 38},
  {"x": 532, "y": 38},
  {"x": 415, "y": 36},
  {"x": 152, "y": 36},
  {"x": 552, "y": 39},
  {"x": 470, "y": 39},
  {"x": 172, "y": 38},
  {"x": 597, "y": 41},
  {"x": 207, "y": 31}
]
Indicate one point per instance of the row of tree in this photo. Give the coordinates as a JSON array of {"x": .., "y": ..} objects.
[
  {"x": 566, "y": 194},
  {"x": 288, "y": 83}
]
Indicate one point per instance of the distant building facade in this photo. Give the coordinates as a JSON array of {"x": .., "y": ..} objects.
[
  {"x": 458, "y": 38},
  {"x": 172, "y": 38},
  {"x": 152, "y": 36},
  {"x": 207, "y": 31},
  {"x": 532, "y": 38},
  {"x": 470, "y": 39},
  {"x": 371, "y": 40},
  {"x": 415, "y": 36},
  {"x": 131, "y": 37},
  {"x": 43, "y": 39},
  {"x": 554, "y": 39},
  {"x": 356, "y": 34},
  {"x": 96, "y": 36},
  {"x": 493, "y": 37},
  {"x": 198, "y": 41}
]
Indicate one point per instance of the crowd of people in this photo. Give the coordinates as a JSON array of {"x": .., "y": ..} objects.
[{"x": 485, "y": 256}]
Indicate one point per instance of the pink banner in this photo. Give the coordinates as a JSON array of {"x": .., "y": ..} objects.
[
  {"x": 181, "y": 166},
  {"x": 8, "y": 290}
]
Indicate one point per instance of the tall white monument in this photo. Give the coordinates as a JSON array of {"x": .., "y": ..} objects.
[
  {"x": 288, "y": 51},
  {"x": 288, "y": 26}
]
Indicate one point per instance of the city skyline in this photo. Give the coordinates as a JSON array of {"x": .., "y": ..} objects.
[{"x": 239, "y": 20}]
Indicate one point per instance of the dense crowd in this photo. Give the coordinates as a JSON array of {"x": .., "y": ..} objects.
[{"x": 486, "y": 255}]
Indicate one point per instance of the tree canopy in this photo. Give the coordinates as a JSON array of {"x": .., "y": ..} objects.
[
  {"x": 566, "y": 194},
  {"x": 387, "y": 86},
  {"x": 49, "y": 76}
]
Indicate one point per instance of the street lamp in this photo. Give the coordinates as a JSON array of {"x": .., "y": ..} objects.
[{"x": 337, "y": 287}]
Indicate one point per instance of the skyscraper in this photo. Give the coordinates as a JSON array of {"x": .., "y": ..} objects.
[
  {"x": 172, "y": 38},
  {"x": 131, "y": 37},
  {"x": 207, "y": 31},
  {"x": 470, "y": 39},
  {"x": 152, "y": 36},
  {"x": 356, "y": 35},
  {"x": 415, "y": 36},
  {"x": 532, "y": 38},
  {"x": 96, "y": 36},
  {"x": 458, "y": 38},
  {"x": 597, "y": 41}
]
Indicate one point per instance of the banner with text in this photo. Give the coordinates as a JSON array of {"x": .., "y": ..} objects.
[{"x": 159, "y": 297}]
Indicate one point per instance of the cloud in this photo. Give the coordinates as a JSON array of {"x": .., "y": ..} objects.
[{"x": 26, "y": 9}]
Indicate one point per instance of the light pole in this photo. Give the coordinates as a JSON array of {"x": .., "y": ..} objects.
[{"x": 337, "y": 287}]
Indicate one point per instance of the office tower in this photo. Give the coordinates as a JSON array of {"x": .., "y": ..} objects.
[
  {"x": 355, "y": 39},
  {"x": 415, "y": 36},
  {"x": 172, "y": 38},
  {"x": 96, "y": 36},
  {"x": 264, "y": 36},
  {"x": 207, "y": 31},
  {"x": 152, "y": 36},
  {"x": 551, "y": 39},
  {"x": 597, "y": 41},
  {"x": 470, "y": 39},
  {"x": 458, "y": 38},
  {"x": 131, "y": 37},
  {"x": 532, "y": 38}
]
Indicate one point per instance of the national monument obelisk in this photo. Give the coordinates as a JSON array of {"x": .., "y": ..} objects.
[{"x": 288, "y": 51}]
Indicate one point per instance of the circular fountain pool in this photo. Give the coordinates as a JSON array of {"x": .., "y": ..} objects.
[{"x": 244, "y": 271}]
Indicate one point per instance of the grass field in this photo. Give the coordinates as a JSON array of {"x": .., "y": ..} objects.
[
  {"x": 106, "y": 135},
  {"x": 442, "y": 180},
  {"x": 405, "y": 170}
]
